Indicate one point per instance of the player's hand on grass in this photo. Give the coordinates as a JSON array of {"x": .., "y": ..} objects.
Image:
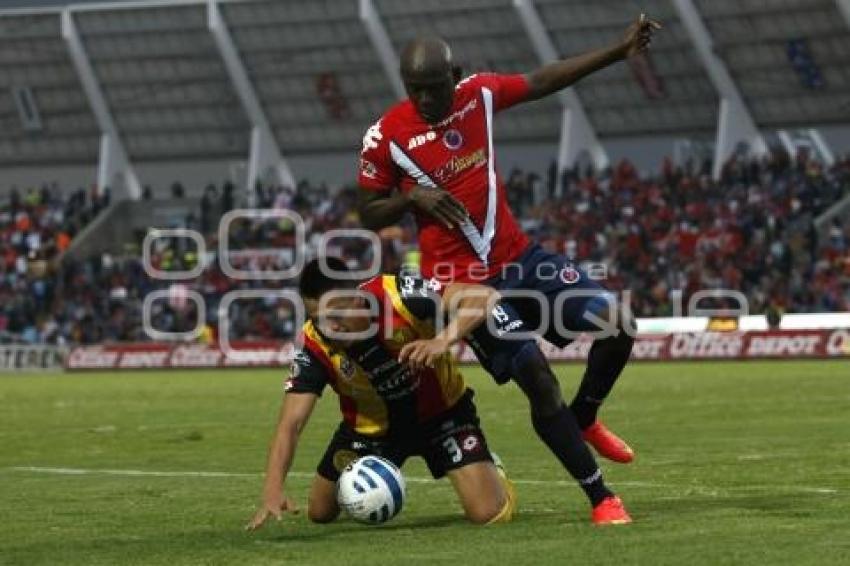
[
  {"x": 272, "y": 506},
  {"x": 439, "y": 204},
  {"x": 638, "y": 35},
  {"x": 423, "y": 353}
]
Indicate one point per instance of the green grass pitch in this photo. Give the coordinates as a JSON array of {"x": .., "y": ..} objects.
[{"x": 737, "y": 463}]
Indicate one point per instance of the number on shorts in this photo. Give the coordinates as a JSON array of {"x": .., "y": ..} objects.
[
  {"x": 500, "y": 314},
  {"x": 452, "y": 447}
]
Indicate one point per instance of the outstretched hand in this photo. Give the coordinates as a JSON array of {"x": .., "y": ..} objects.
[
  {"x": 422, "y": 354},
  {"x": 272, "y": 507},
  {"x": 638, "y": 35}
]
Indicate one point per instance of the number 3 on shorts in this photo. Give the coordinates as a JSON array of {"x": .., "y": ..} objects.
[{"x": 453, "y": 449}]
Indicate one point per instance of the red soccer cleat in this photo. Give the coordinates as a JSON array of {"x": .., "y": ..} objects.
[
  {"x": 607, "y": 443},
  {"x": 610, "y": 512}
]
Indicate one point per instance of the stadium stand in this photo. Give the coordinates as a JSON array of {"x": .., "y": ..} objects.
[
  {"x": 36, "y": 228},
  {"x": 318, "y": 76}
]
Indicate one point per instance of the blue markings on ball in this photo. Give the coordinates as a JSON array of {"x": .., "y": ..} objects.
[{"x": 389, "y": 478}]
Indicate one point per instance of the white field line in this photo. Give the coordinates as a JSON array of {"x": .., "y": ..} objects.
[{"x": 409, "y": 479}]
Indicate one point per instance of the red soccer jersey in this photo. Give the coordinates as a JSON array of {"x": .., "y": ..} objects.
[{"x": 403, "y": 150}]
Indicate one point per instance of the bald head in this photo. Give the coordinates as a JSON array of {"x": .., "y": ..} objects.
[
  {"x": 426, "y": 57},
  {"x": 428, "y": 76}
]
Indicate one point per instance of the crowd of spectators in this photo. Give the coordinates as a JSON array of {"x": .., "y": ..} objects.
[
  {"x": 662, "y": 237},
  {"x": 99, "y": 299},
  {"x": 668, "y": 236},
  {"x": 36, "y": 226}
]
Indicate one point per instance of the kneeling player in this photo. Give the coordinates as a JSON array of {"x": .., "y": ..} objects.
[{"x": 399, "y": 390}]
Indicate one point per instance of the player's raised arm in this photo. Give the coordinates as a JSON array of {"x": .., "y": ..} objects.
[
  {"x": 561, "y": 74},
  {"x": 468, "y": 306},
  {"x": 294, "y": 413}
]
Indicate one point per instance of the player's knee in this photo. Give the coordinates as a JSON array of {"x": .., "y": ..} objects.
[
  {"x": 322, "y": 517},
  {"x": 626, "y": 340},
  {"x": 547, "y": 399},
  {"x": 621, "y": 343},
  {"x": 627, "y": 327},
  {"x": 618, "y": 325},
  {"x": 321, "y": 512},
  {"x": 535, "y": 378},
  {"x": 608, "y": 317}
]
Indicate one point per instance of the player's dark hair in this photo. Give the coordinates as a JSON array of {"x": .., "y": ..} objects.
[{"x": 316, "y": 281}]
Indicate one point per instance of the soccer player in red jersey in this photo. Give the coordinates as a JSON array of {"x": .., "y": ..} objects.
[{"x": 432, "y": 154}]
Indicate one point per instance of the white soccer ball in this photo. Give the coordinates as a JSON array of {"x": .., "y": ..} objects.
[{"x": 371, "y": 490}]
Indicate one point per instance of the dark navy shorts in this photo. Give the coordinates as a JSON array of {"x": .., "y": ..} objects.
[
  {"x": 567, "y": 293},
  {"x": 564, "y": 296}
]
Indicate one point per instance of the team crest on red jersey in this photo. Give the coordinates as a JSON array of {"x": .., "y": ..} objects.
[{"x": 452, "y": 139}]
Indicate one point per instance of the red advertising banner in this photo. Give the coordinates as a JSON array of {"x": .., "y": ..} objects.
[
  {"x": 163, "y": 355},
  {"x": 654, "y": 347}
]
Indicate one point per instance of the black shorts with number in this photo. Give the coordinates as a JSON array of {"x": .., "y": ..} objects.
[
  {"x": 448, "y": 442},
  {"x": 498, "y": 347}
]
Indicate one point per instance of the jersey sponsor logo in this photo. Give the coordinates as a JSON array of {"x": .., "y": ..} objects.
[
  {"x": 346, "y": 368},
  {"x": 384, "y": 367},
  {"x": 408, "y": 286},
  {"x": 301, "y": 357},
  {"x": 398, "y": 385},
  {"x": 416, "y": 286},
  {"x": 569, "y": 275},
  {"x": 373, "y": 137},
  {"x": 460, "y": 163},
  {"x": 470, "y": 443},
  {"x": 343, "y": 458},
  {"x": 460, "y": 114},
  {"x": 466, "y": 80},
  {"x": 300, "y": 360},
  {"x": 368, "y": 169},
  {"x": 295, "y": 369},
  {"x": 402, "y": 336},
  {"x": 452, "y": 139},
  {"x": 421, "y": 139}
]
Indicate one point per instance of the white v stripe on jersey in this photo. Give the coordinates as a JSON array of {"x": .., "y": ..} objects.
[
  {"x": 402, "y": 160},
  {"x": 481, "y": 247},
  {"x": 480, "y": 241},
  {"x": 493, "y": 191}
]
